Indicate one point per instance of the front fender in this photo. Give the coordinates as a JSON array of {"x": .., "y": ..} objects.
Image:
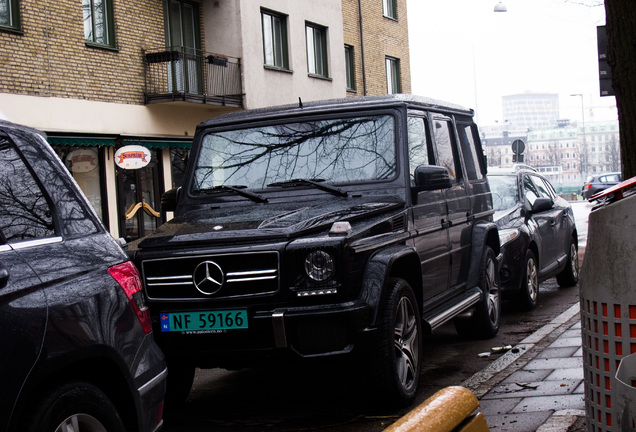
[
  {"x": 484, "y": 234},
  {"x": 377, "y": 273}
]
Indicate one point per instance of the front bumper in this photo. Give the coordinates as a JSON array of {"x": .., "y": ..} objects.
[
  {"x": 511, "y": 270},
  {"x": 299, "y": 331}
]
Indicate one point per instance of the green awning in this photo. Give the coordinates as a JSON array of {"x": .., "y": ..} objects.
[
  {"x": 98, "y": 142},
  {"x": 158, "y": 144},
  {"x": 83, "y": 141}
]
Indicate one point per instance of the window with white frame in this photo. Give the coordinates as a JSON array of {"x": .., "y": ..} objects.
[
  {"x": 393, "y": 75},
  {"x": 317, "y": 50},
  {"x": 389, "y": 8},
  {"x": 274, "y": 39}
]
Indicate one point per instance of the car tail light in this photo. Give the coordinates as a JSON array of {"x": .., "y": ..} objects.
[
  {"x": 127, "y": 277},
  {"x": 587, "y": 186}
]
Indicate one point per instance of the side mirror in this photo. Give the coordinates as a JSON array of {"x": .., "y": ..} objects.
[
  {"x": 432, "y": 177},
  {"x": 169, "y": 200},
  {"x": 542, "y": 204}
]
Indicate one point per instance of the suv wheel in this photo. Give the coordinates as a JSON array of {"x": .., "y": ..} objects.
[
  {"x": 76, "y": 406},
  {"x": 529, "y": 290},
  {"x": 484, "y": 322},
  {"x": 396, "y": 357},
  {"x": 570, "y": 274}
]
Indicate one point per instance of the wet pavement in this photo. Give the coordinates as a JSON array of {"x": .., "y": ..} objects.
[{"x": 539, "y": 384}]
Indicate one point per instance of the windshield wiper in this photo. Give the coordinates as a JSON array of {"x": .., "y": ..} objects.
[
  {"x": 318, "y": 183},
  {"x": 237, "y": 190}
]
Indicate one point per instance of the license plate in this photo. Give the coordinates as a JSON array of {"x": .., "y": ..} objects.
[{"x": 201, "y": 322}]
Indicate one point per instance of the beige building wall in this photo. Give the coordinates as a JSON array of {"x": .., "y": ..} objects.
[
  {"x": 381, "y": 37},
  {"x": 266, "y": 87}
]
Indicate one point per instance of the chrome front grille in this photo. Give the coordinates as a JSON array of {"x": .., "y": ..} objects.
[{"x": 228, "y": 275}]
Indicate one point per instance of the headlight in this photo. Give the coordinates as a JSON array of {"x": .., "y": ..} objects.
[
  {"x": 508, "y": 235},
  {"x": 319, "y": 265}
]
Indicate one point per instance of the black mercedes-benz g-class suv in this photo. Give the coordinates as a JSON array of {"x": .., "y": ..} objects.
[{"x": 321, "y": 229}]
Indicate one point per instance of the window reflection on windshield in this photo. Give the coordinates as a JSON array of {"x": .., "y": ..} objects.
[
  {"x": 504, "y": 191},
  {"x": 334, "y": 150}
]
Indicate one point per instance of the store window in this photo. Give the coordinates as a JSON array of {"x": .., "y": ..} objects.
[{"x": 178, "y": 162}]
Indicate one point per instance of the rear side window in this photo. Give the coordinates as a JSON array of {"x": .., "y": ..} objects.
[
  {"x": 420, "y": 149},
  {"x": 469, "y": 151},
  {"x": 443, "y": 133},
  {"x": 25, "y": 213}
]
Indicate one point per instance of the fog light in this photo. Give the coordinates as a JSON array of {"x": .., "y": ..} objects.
[{"x": 319, "y": 265}]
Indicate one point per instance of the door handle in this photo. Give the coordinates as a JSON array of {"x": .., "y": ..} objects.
[
  {"x": 4, "y": 276},
  {"x": 133, "y": 209},
  {"x": 446, "y": 223}
]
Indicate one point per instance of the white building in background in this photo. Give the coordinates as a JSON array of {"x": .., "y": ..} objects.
[{"x": 528, "y": 111}]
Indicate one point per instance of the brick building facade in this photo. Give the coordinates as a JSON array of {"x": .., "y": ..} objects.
[{"x": 381, "y": 37}]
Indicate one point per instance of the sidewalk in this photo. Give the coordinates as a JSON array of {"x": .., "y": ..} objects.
[{"x": 538, "y": 385}]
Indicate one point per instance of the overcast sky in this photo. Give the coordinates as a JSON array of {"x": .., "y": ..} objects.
[{"x": 463, "y": 52}]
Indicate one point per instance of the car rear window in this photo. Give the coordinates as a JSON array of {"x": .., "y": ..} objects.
[{"x": 25, "y": 213}]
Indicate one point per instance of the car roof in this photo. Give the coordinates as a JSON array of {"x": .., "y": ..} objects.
[{"x": 335, "y": 105}]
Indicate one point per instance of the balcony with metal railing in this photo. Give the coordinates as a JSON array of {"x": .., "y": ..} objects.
[{"x": 190, "y": 75}]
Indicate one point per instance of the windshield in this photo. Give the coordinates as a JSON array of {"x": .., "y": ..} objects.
[
  {"x": 334, "y": 150},
  {"x": 504, "y": 191}
]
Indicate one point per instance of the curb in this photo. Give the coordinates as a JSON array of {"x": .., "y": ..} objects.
[{"x": 482, "y": 382}]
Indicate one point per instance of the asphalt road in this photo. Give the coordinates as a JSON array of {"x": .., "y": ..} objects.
[{"x": 324, "y": 396}]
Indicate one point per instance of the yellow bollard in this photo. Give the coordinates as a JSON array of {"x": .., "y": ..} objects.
[{"x": 450, "y": 409}]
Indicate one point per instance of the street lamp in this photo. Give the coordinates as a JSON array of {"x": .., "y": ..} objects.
[
  {"x": 500, "y": 7},
  {"x": 584, "y": 154}
]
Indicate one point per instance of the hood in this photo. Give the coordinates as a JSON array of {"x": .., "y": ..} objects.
[
  {"x": 270, "y": 221},
  {"x": 509, "y": 218}
]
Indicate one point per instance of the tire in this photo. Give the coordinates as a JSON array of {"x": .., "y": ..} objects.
[
  {"x": 529, "y": 287},
  {"x": 76, "y": 406},
  {"x": 570, "y": 274},
  {"x": 396, "y": 353},
  {"x": 484, "y": 322},
  {"x": 178, "y": 384}
]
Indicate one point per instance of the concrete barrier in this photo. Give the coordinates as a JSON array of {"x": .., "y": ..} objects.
[{"x": 451, "y": 409}]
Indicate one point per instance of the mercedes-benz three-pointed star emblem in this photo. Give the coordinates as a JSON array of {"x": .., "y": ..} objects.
[{"x": 208, "y": 277}]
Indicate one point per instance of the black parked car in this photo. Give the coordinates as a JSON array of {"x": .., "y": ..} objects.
[
  {"x": 600, "y": 182},
  {"x": 537, "y": 233},
  {"x": 77, "y": 346},
  {"x": 323, "y": 229}
]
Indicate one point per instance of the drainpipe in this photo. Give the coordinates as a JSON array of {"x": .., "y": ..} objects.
[{"x": 364, "y": 74}]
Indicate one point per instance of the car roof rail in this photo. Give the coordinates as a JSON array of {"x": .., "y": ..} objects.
[{"x": 519, "y": 167}]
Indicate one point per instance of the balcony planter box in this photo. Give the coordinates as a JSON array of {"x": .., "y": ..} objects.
[
  {"x": 217, "y": 60},
  {"x": 163, "y": 56}
]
